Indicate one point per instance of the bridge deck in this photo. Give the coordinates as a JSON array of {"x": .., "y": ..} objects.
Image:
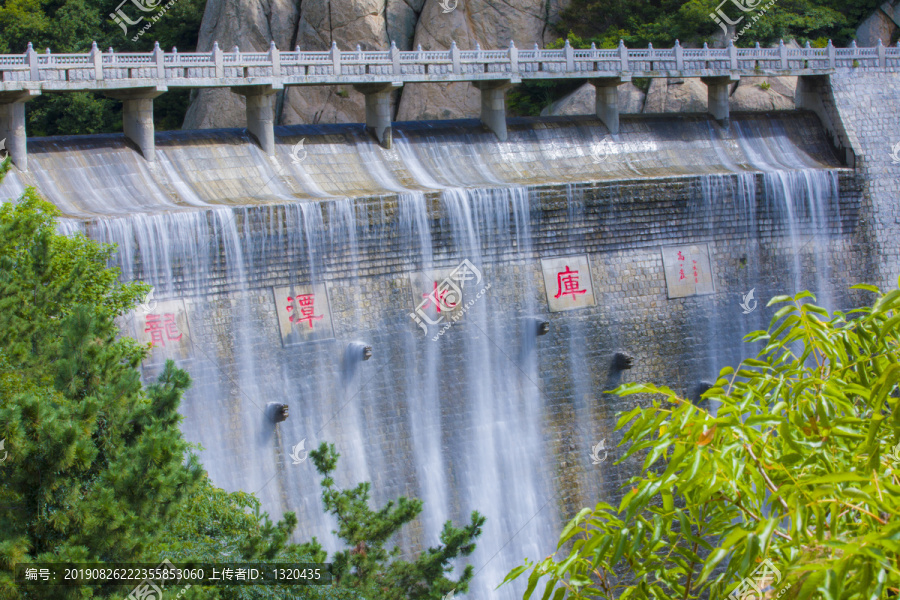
[
  {"x": 108, "y": 71},
  {"x": 137, "y": 78}
]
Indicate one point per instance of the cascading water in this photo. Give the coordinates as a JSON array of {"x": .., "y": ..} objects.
[{"x": 468, "y": 419}]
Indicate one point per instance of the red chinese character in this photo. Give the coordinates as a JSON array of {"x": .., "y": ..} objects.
[
  {"x": 156, "y": 327},
  {"x": 567, "y": 284},
  {"x": 681, "y": 275},
  {"x": 696, "y": 274},
  {"x": 438, "y": 297},
  {"x": 681, "y": 256},
  {"x": 306, "y": 303}
]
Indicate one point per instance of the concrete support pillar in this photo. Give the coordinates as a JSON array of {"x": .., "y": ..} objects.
[
  {"x": 378, "y": 109},
  {"x": 260, "y": 114},
  {"x": 607, "y": 104},
  {"x": 718, "y": 89},
  {"x": 137, "y": 117},
  {"x": 12, "y": 126},
  {"x": 493, "y": 105}
]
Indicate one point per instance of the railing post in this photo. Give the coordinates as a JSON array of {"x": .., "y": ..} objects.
[
  {"x": 395, "y": 58},
  {"x": 454, "y": 58},
  {"x": 160, "y": 60},
  {"x": 881, "y": 54},
  {"x": 705, "y": 56},
  {"x": 832, "y": 55},
  {"x": 336, "y": 58},
  {"x": 218, "y": 61},
  {"x": 623, "y": 56},
  {"x": 97, "y": 59},
  {"x": 513, "y": 58},
  {"x": 275, "y": 59},
  {"x": 732, "y": 55},
  {"x": 782, "y": 54},
  {"x": 650, "y": 54},
  {"x": 31, "y": 59},
  {"x": 679, "y": 56},
  {"x": 570, "y": 57}
]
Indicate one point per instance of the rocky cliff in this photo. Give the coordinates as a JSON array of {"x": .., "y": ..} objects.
[{"x": 373, "y": 24}]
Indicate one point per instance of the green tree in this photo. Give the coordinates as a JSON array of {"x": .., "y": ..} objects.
[
  {"x": 71, "y": 26},
  {"x": 799, "y": 466},
  {"x": 97, "y": 469},
  {"x": 366, "y": 566}
]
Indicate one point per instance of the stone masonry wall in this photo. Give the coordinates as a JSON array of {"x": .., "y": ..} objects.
[
  {"x": 621, "y": 226},
  {"x": 868, "y": 105}
]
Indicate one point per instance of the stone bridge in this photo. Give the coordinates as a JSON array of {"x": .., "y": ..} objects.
[{"x": 137, "y": 78}]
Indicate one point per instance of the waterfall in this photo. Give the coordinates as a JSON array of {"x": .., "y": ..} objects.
[{"x": 476, "y": 412}]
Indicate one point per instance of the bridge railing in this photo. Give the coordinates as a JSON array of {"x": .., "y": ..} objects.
[{"x": 453, "y": 63}]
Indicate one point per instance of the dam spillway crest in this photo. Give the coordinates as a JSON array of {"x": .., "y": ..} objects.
[{"x": 450, "y": 311}]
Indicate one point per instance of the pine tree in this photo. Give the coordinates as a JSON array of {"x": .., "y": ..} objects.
[{"x": 367, "y": 566}]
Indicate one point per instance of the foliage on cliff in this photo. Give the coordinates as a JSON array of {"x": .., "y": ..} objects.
[
  {"x": 71, "y": 26},
  {"x": 661, "y": 22},
  {"x": 799, "y": 466}
]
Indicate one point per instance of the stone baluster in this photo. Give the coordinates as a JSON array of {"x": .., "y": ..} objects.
[
  {"x": 732, "y": 55},
  {"x": 159, "y": 59},
  {"x": 679, "y": 56},
  {"x": 882, "y": 58},
  {"x": 31, "y": 59},
  {"x": 97, "y": 60},
  {"x": 275, "y": 59},
  {"x": 218, "y": 61},
  {"x": 395, "y": 59},
  {"x": 454, "y": 58},
  {"x": 513, "y": 59},
  {"x": 782, "y": 54},
  {"x": 569, "y": 53},
  {"x": 623, "y": 56},
  {"x": 335, "y": 58}
]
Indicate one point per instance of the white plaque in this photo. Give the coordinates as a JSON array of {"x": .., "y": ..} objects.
[
  {"x": 568, "y": 282},
  {"x": 164, "y": 325},
  {"x": 304, "y": 313},
  {"x": 688, "y": 271},
  {"x": 441, "y": 296}
]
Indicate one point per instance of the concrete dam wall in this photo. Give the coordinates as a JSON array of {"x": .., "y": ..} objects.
[{"x": 443, "y": 255}]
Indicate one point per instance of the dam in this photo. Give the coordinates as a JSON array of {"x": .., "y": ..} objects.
[{"x": 444, "y": 254}]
